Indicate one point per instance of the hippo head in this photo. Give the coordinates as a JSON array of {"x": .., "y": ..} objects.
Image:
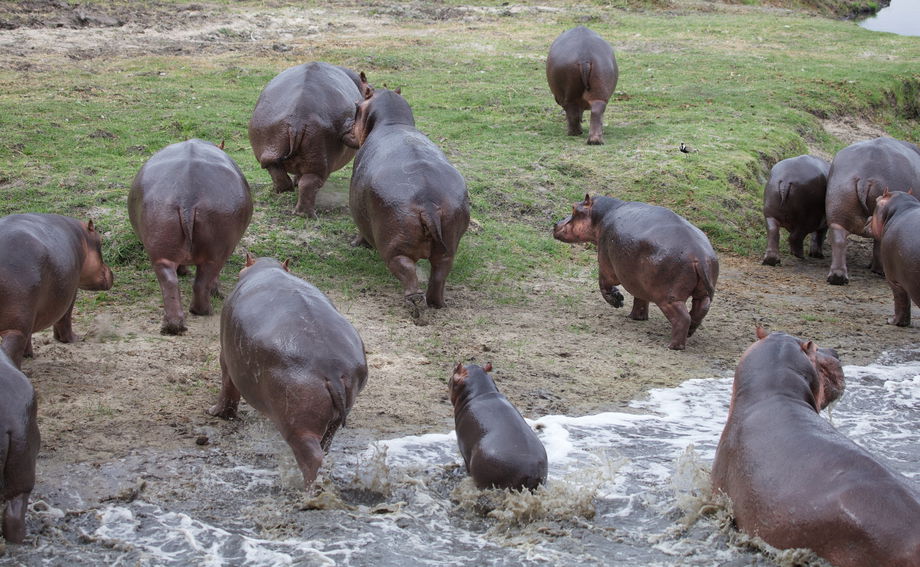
[
  {"x": 577, "y": 227},
  {"x": 826, "y": 382},
  {"x": 466, "y": 379},
  {"x": 886, "y": 205},
  {"x": 94, "y": 274},
  {"x": 265, "y": 261},
  {"x": 381, "y": 106}
]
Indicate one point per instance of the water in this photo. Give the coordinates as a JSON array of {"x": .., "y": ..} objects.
[
  {"x": 901, "y": 17},
  {"x": 625, "y": 488}
]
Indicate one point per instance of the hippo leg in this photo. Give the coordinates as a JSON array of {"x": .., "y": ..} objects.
[
  {"x": 771, "y": 256},
  {"x": 876, "y": 265},
  {"x": 229, "y": 398},
  {"x": 403, "y": 268},
  {"x": 63, "y": 330},
  {"x": 281, "y": 181},
  {"x": 901, "y": 316},
  {"x": 796, "y": 243},
  {"x": 608, "y": 281},
  {"x": 308, "y": 453},
  {"x": 677, "y": 314},
  {"x": 14, "y": 518},
  {"x": 206, "y": 276},
  {"x": 573, "y": 114},
  {"x": 699, "y": 307},
  {"x": 174, "y": 318},
  {"x": 817, "y": 243},
  {"x": 360, "y": 241},
  {"x": 308, "y": 186},
  {"x": 17, "y": 345},
  {"x": 639, "y": 310},
  {"x": 838, "y": 273},
  {"x": 441, "y": 265},
  {"x": 596, "y": 130}
]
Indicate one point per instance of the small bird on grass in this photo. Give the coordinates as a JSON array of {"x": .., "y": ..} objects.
[{"x": 685, "y": 148}]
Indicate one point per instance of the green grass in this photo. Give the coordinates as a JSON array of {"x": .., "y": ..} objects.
[{"x": 744, "y": 86}]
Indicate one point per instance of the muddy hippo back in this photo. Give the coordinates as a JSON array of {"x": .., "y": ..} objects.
[
  {"x": 293, "y": 356},
  {"x": 498, "y": 447},
  {"x": 19, "y": 444}
]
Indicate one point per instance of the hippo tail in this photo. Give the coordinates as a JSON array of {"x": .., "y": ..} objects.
[
  {"x": 784, "y": 187},
  {"x": 5, "y": 441},
  {"x": 430, "y": 216},
  {"x": 586, "y": 75},
  {"x": 336, "y": 389},
  {"x": 295, "y": 138},
  {"x": 187, "y": 223},
  {"x": 705, "y": 277}
]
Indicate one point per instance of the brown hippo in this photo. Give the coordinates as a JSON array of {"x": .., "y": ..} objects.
[
  {"x": 499, "y": 448},
  {"x": 794, "y": 199},
  {"x": 19, "y": 442},
  {"x": 656, "y": 255},
  {"x": 189, "y": 205},
  {"x": 298, "y": 124},
  {"x": 858, "y": 175},
  {"x": 286, "y": 349},
  {"x": 894, "y": 224},
  {"x": 582, "y": 74},
  {"x": 46, "y": 259},
  {"x": 406, "y": 198},
  {"x": 793, "y": 479}
]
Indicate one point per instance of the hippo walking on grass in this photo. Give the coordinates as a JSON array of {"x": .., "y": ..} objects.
[
  {"x": 408, "y": 201},
  {"x": 298, "y": 124},
  {"x": 19, "y": 443},
  {"x": 45, "y": 259},
  {"x": 794, "y": 199},
  {"x": 896, "y": 226},
  {"x": 793, "y": 479},
  {"x": 285, "y": 348},
  {"x": 656, "y": 254},
  {"x": 582, "y": 74},
  {"x": 859, "y": 174},
  {"x": 498, "y": 447}
]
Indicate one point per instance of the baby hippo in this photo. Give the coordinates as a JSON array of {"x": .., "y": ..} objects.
[
  {"x": 285, "y": 348},
  {"x": 189, "y": 205},
  {"x": 499, "y": 448},
  {"x": 46, "y": 259},
  {"x": 19, "y": 442},
  {"x": 793, "y": 479},
  {"x": 794, "y": 199},
  {"x": 582, "y": 74},
  {"x": 408, "y": 201},
  {"x": 655, "y": 253},
  {"x": 895, "y": 224}
]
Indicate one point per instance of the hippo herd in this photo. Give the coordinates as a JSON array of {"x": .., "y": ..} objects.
[{"x": 792, "y": 479}]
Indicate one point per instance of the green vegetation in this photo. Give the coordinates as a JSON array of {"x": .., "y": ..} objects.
[{"x": 744, "y": 86}]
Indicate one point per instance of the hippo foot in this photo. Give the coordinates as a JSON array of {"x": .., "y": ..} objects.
[
  {"x": 677, "y": 346},
  {"x": 199, "y": 311},
  {"x": 575, "y": 131},
  {"x": 613, "y": 297},
  {"x": 173, "y": 328},
  {"x": 418, "y": 308},
  {"x": 310, "y": 213},
  {"x": 877, "y": 270},
  {"x": 818, "y": 254},
  {"x": 222, "y": 411},
  {"x": 771, "y": 261},
  {"x": 360, "y": 241},
  {"x": 595, "y": 141},
  {"x": 837, "y": 279},
  {"x": 216, "y": 292},
  {"x": 899, "y": 321},
  {"x": 68, "y": 337}
]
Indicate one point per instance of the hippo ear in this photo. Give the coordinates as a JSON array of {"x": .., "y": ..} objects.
[
  {"x": 910, "y": 191},
  {"x": 587, "y": 201},
  {"x": 761, "y": 333},
  {"x": 221, "y": 145},
  {"x": 363, "y": 77},
  {"x": 460, "y": 373},
  {"x": 250, "y": 260},
  {"x": 398, "y": 90},
  {"x": 90, "y": 226},
  {"x": 887, "y": 193},
  {"x": 368, "y": 93},
  {"x": 809, "y": 348},
  {"x": 285, "y": 265},
  {"x": 487, "y": 367}
]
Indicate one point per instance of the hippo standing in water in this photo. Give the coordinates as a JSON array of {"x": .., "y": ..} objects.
[
  {"x": 499, "y": 448},
  {"x": 859, "y": 174},
  {"x": 793, "y": 479},
  {"x": 189, "y": 205},
  {"x": 794, "y": 199},
  {"x": 895, "y": 225},
  {"x": 298, "y": 124},
  {"x": 408, "y": 201},
  {"x": 286, "y": 349},
  {"x": 656, "y": 254},
  {"x": 582, "y": 74},
  {"x": 46, "y": 259},
  {"x": 19, "y": 443}
]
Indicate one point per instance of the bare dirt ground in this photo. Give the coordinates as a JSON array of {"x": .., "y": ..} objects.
[{"x": 126, "y": 387}]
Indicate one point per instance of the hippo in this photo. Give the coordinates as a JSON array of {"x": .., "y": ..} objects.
[
  {"x": 498, "y": 447},
  {"x": 859, "y": 174},
  {"x": 189, "y": 205},
  {"x": 656, "y": 254},
  {"x": 19, "y": 444},
  {"x": 894, "y": 225},
  {"x": 408, "y": 201},
  {"x": 47, "y": 258},
  {"x": 298, "y": 124},
  {"x": 794, "y": 199},
  {"x": 285, "y": 348},
  {"x": 793, "y": 479},
  {"x": 582, "y": 74}
]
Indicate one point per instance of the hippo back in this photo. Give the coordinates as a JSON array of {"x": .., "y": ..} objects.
[
  {"x": 795, "y": 192},
  {"x": 568, "y": 52},
  {"x": 53, "y": 243},
  {"x": 19, "y": 434}
]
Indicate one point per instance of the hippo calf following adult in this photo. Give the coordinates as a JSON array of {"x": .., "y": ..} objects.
[
  {"x": 189, "y": 205},
  {"x": 859, "y": 174},
  {"x": 794, "y": 199},
  {"x": 46, "y": 259},
  {"x": 298, "y": 124},
  {"x": 408, "y": 201},
  {"x": 297, "y": 360},
  {"x": 582, "y": 73},
  {"x": 793, "y": 479},
  {"x": 895, "y": 224},
  {"x": 498, "y": 447},
  {"x": 656, "y": 255},
  {"x": 19, "y": 444}
]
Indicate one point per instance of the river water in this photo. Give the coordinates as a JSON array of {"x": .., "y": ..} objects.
[
  {"x": 625, "y": 488},
  {"x": 901, "y": 17}
]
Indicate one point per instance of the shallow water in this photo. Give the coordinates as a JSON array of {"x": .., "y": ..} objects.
[
  {"x": 624, "y": 488},
  {"x": 901, "y": 17}
]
